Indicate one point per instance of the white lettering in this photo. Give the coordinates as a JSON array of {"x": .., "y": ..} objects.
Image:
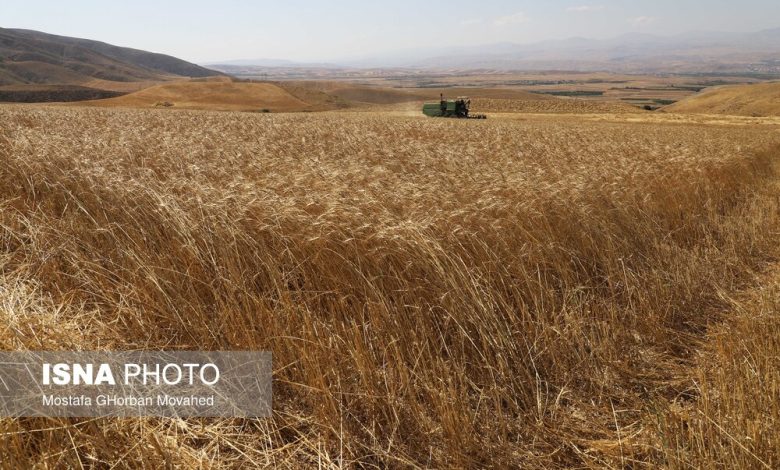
[
  {"x": 215, "y": 374},
  {"x": 77, "y": 374}
]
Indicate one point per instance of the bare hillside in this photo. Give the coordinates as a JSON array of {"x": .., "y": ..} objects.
[
  {"x": 221, "y": 94},
  {"x": 743, "y": 100},
  {"x": 32, "y": 57}
]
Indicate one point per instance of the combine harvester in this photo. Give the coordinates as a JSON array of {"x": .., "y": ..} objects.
[{"x": 458, "y": 108}]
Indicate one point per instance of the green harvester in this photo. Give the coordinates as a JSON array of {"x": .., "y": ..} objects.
[{"x": 457, "y": 108}]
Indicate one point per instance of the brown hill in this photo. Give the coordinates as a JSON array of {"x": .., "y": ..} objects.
[
  {"x": 32, "y": 57},
  {"x": 223, "y": 94},
  {"x": 762, "y": 99},
  {"x": 226, "y": 94}
]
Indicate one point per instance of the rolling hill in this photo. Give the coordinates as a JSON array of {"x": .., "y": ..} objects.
[
  {"x": 219, "y": 93},
  {"x": 32, "y": 57},
  {"x": 228, "y": 94},
  {"x": 742, "y": 100}
]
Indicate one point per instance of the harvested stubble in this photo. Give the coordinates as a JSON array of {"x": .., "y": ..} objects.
[
  {"x": 435, "y": 292},
  {"x": 557, "y": 106}
]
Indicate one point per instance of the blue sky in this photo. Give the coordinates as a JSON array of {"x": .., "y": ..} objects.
[{"x": 306, "y": 30}]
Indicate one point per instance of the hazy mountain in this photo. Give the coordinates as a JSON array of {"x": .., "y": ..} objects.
[
  {"x": 690, "y": 52},
  {"x": 256, "y": 62},
  {"x": 34, "y": 57},
  {"x": 226, "y": 64}
]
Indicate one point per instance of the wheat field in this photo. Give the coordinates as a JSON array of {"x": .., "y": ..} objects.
[
  {"x": 436, "y": 293},
  {"x": 560, "y": 105}
]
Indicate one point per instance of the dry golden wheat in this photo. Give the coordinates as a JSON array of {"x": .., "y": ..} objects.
[{"x": 435, "y": 292}]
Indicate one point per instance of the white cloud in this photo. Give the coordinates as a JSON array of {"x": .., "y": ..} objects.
[
  {"x": 585, "y": 8},
  {"x": 516, "y": 18},
  {"x": 471, "y": 21},
  {"x": 642, "y": 20}
]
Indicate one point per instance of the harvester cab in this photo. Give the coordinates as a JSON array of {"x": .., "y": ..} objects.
[{"x": 457, "y": 108}]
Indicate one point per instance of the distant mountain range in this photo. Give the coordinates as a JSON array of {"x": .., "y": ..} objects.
[
  {"x": 32, "y": 57},
  {"x": 696, "y": 52},
  {"x": 268, "y": 63}
]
